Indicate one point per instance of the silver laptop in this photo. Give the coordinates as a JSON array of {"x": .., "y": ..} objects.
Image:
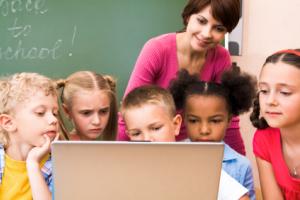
[{"x": 136, "y": 170}]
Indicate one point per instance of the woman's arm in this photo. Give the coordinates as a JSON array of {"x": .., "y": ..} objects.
[
  {"x": 269, "y": 186},
  {"x": 144, "y": 73},
  {"x": 146, "y": 66}
]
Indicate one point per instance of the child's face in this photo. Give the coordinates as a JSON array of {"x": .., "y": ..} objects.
[
  {"x": 151, "y": 123},
  {"x": 279, "y": 97},
  {"x": 34, "y": 118},
  {"x": 206, "y": 118},
  {"x": 90, "y": 112}
]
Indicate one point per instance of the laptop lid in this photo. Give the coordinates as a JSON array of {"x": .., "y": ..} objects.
[{"x": 136, "y": 170}]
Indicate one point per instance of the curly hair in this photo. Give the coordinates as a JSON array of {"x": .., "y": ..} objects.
[
  {"x": 256, "y": 120},
  {"x": 18, "y": 88},
  {"x": 289, "y": 56},
  {"x": 237, "y": 88}
]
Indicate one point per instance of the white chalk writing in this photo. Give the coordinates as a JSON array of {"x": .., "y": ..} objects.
[
  {"x": 8, "y": 7},
  {"x": 20, "y": 52},
  {"x": 21, "y": 34},
  {"x": 18, "y": 30}
]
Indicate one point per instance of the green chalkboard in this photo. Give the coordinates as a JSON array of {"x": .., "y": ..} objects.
[{"x": 59, "y": 37}]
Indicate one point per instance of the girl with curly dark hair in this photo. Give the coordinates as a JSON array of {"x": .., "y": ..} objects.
[{"x": 208, "y": 108}]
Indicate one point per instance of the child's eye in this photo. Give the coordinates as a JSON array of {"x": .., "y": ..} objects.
[
  {"x": 86, "y": 112},
  {"x": 103, "y": 111},
  {"x": 55, "y": 112},
  {"x": 192, "y": 121},
  {"x": 263, "y": 91},
  {"x": 285, "y": 93},
  {"x": 134, "y": 134},
  {"x": 216, "y": 121},
  {"x": 156, "y": 128},
  {"x": 40, "y": 113}
]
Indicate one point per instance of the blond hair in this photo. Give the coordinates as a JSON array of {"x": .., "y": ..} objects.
[
  {"x": 149, "y": 94},
  {"x": 18, "y": 88},
  {"x": 88, "y": 80}
]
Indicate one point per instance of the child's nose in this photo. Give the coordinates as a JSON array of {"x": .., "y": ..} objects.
[
  {"x": 53, "y": 119},
  {"x": 271, "y": 99},
  {"x": 204, "y": 130},
  {"x": 96, "y": 119},
  {"x": 148, "y": 137}
]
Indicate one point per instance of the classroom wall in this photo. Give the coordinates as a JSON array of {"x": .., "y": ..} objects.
[{"x": 269, "y": 25}]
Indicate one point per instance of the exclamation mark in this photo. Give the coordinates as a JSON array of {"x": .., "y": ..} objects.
[{"x": 73, "y": 38}]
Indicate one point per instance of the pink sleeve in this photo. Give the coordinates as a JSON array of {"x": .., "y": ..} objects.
[
  {"x": 146, "y": 67},
  {"x": 121, "y": 136},
  {"x": 223, "y": 63},
  {"x": 261, "y": 145},
  {"x": 145, "y": 70}
]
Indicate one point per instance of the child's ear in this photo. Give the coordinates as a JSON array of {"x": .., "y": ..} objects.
[
  {"x": 7, "y": 123},
  {"x": 177, "y": 120}
]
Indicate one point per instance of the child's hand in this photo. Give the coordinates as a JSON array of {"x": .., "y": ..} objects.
[
  {"x": 38, "y": 185},
  {"x": 36, "y": 154}
]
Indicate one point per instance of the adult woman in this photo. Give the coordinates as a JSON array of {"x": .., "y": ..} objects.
[{"x": 195, "y": 49}]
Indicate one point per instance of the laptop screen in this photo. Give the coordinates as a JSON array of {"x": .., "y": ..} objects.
[{"x": 136, "y": 170}]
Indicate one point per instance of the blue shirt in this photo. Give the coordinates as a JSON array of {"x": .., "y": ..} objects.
[
  {"x": 238, "y": 167},
  {"x": 46, "y": 169}
]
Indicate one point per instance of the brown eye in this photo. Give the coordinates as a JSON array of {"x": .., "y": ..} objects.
[
  {"x": 192, "y": 121},
  {"x": 55, "y": 114},
  {"x": 156, "y": 128},
  {"x": 104, "y": 111},
  {"x": 201, "y": 21},
  {"x": 134, "y": 133},
  {"x": 262, "y": 91},
  {"x": 221, "y": 29},
  {"x": 285, "y": 93},
  {"x": 85, "y": 112},
  {"x": 40, "y": 113},
  {"x": 216, "y": 121}
]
